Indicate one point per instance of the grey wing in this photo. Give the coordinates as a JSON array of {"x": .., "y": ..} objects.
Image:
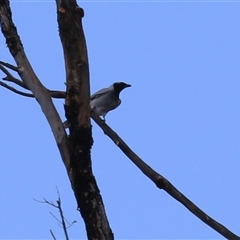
[{"x": 99, "y": 93}]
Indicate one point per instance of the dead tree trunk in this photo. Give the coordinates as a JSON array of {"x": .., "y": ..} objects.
[
  {"x": 78, "y": 116},
  {"x": 75, "y": 149}
]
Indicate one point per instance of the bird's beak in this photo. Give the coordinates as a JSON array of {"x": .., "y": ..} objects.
[{"x": 127, "y": 85}]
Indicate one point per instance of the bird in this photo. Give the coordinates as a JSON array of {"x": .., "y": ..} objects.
[{"x": 107, "y": 99}]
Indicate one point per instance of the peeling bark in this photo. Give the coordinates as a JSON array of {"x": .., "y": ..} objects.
[{"x": 77, "y": 111}]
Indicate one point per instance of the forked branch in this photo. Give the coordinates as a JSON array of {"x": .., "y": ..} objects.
[
  {"x": 10, "y": 78},
  {"x": 63, "y": 222},
  {"x": 160, "y": 181},
  {"x": 31, "y": 82},
  {"x": 30, "y": 79}
]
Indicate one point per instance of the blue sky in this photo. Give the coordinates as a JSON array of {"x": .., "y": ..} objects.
[{"x": 181, "y": 116}]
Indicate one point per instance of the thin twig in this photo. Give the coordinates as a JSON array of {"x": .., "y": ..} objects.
[
  {"x": 10, "y": 78},
  {"x": 52, "y": 234},
  {"x": 16, "y": 91},
  {"x": 55, "y": 218},
  {"x": 59, "y": 207},
  {"x": 8, "y": 65},
  {"x": 53, "y": 93},
  {"x": 50, "y": 203},
  {"x": 46, "y": 201},
  {"x": 62, "y": 217}
]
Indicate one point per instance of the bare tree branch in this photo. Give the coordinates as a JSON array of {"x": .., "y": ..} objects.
[
  {"x": 59, "y": 207},
  {"x": 46, "y": 201},
  {"x": 15, "y": 90},
  {"x": 62, "y": 217},
  {"x": 30, "y": 79},
  {"x": 53, "y": 93},
  {"x": 8, "y": 65},
  {"x": 10, "y": 78},
  {"x": 43, "y": 96},
  {"x": 160, "y": 181},
  {"x": 59, "y": 222},
  {"x": 52, "y": 234}
]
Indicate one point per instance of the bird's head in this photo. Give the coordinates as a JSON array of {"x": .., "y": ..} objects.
[{"x": 119, "y": 86}]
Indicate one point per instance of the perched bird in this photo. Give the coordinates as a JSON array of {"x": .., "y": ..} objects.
[{"x": 107, "y": 99}]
